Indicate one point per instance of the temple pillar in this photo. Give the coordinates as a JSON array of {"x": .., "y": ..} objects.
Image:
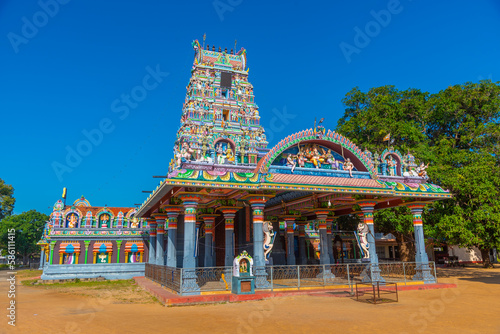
[
  {"x": 152, "y": 240},
  {"x": 118, "y": 246},
  {"x": 324, "y": 254},
  {"x": 198, "y": 259},
  {"x": 229, "y": 213},
  {"x": 258, "y": 203},
  {"x": 367, "y": 208},
  {"x": 302, "y": 243},
  {"x": 290, "y": 245},
  {"x": 52, "y": 246},
  {"x": 278, "y": 254},
  {"x": 423, "y": 271},
  {"x": 87, "y": 243},
  {"x": 209, "y": 221},
  {"x": 172, "y": 212},
  {"x": 189, "y": 285},
  {"x": 321, "y": 216},
  {"x": 160, "y": 237},
  {"x": 329, "y": 222},
  {"x": 42, "y": 258}
]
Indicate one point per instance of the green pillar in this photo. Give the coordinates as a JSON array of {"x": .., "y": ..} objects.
[
  {"x": 52, "y": 246},
  {"x": 87, "y": 242},
  {"x": 118, "y": 245}
]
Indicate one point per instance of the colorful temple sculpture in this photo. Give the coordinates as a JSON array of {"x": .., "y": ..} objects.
[
  {"x": 84, "y": 241},
  {"x": 227, "y": 192}
]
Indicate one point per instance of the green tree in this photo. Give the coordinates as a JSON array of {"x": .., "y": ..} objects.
[
  {"x": 7, "y": 199},
  {"x": 458, "y": 131},
  {"x": 464, "y": 137},
  {"x": 28, "y": 227},
  {"x": 368, "y": 118}
]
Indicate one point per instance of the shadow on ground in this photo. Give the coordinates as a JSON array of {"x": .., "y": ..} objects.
[{"x": 472, "y": 274}]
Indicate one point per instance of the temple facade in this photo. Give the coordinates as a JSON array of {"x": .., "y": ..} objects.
[
  {"x": 227, "y": 192},
  {"x": 87, "y": 241}
]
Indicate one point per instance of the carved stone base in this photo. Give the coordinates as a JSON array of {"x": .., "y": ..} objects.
[
  {"x": 326, "y": 274},
  {"x": 261, "y": 281},
  {"x": 424, "y": 274},
  {"x": 189, "y": 285},
  {"x": 371, "y": 274}
]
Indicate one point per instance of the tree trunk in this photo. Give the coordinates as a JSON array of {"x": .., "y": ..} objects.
[
  {"x": 485, "y": 254},
  {"x": 406, "y": 249}
]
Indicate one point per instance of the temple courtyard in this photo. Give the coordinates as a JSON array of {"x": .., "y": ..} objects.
[{"x": 124, "y": 307}]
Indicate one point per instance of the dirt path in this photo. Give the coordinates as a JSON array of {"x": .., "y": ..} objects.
[{"x": 471, "y": 308}]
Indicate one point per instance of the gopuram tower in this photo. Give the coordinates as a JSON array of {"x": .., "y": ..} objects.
[{"x": 220, "y": 124}]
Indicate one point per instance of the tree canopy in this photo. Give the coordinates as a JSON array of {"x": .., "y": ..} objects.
[
  {"x": 7, "y": 199},
  {"x": 28, "y": 227},
  {"x": 457, "y": 130}
]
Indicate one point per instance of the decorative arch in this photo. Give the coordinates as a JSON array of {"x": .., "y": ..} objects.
[
  {"x": 72, "y": 218},
  {"x": 104, "y": 218},
  {"x": 82, "y": 201},
  {"x": 129, "y": 219},
  {"x": 359, "y": 158},
  {"x": 119, "y": 220},
  {"x": 397, "y": 156},
  {"x": 88, "y": 219},
  {"x": 233, "y": 144}
]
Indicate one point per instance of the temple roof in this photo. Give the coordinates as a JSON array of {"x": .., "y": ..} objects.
[{"x": 323, "y": 180}]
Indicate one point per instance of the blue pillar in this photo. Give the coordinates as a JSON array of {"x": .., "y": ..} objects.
[
  {"x": 290, "y": 245},
  {"x": 172, "y": 213},
  {"x": 189, "y": 285},
  {"x": 258, "y": 203},
  {"x": 324, "y": 257},
  {"x": 423, "y": 271},
  {"x": 329, "y": 239},
  {"x": 372, "y": 275},
  {"x": 229, "y": 237},
  {"x": 302, "y": 243},
  {"x": 152, "y": 241},
  {"x": 209, "y": 223},
  {"x": 160, "y": 252},
  {"x": 324, "y": 254}
]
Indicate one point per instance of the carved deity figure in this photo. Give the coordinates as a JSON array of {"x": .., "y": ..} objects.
[
  {"x": 330, "y": 159},
  {"x": 348, "y": 165},
  {"x": 290, "y": 162},
  {"x": 104, "y": 221},
  {"x": 421, "y": 170},
  {"x": 376, "y": 161},
  {"x": 316, "y": 157},
  {"x": 134, "y": 223},
  {"x": 363, "y": 239},
  {"x": 269, "y": 235},
  {"x": 221, "y": 157},
  {"x": 229, "y": 155},
  {"x": 301, "y": 160},
  {"x": 72, "y": 221},
  {"x": 391, "y": 166}
]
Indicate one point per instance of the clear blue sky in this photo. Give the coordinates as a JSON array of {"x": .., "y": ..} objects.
[{"x": 64, "y": 75}]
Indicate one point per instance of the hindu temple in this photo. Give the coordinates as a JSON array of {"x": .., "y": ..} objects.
[{"x": 227, "y": 192}]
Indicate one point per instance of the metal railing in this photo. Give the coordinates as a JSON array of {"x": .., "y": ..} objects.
[
  {"x": 286, "y": 277},
  {"x": 169, "y": 277}
]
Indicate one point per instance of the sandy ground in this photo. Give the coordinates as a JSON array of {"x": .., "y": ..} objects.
[{"x": 471, "y": 308}]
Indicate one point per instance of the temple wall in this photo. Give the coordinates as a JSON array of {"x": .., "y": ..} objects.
[
  {"x": 465, "y": 255},
  {"x": 108, "y": 271}
]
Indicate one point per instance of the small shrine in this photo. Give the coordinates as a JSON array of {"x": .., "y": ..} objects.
[{"x": 243, "y": 282}]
